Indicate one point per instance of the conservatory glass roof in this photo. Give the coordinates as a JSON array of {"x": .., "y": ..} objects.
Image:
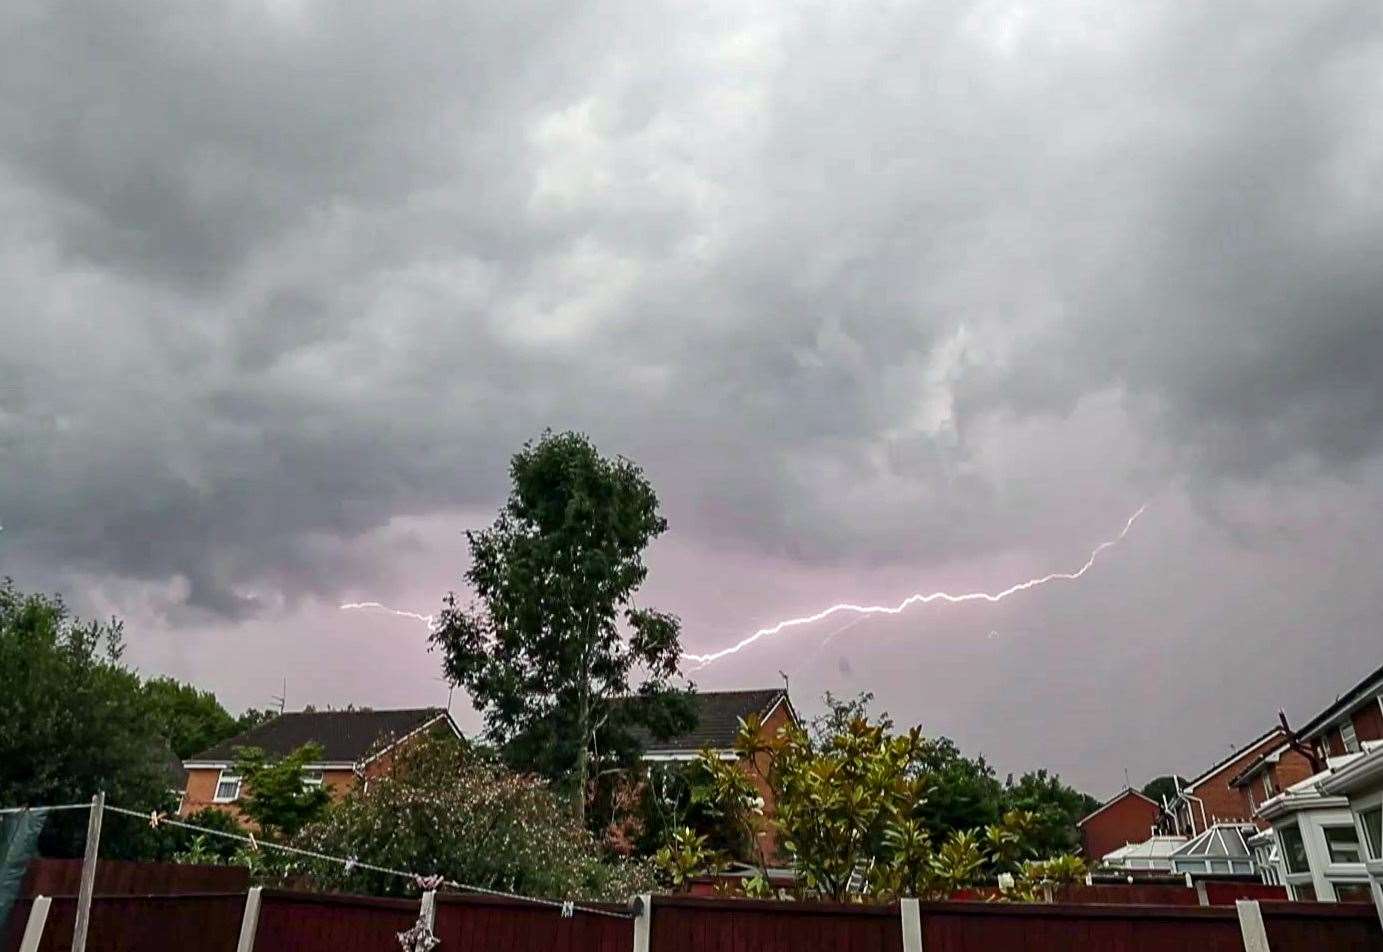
[{"x": 1222, "y": 841}]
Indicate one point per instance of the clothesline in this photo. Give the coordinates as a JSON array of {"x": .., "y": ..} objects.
[
  {"x": 52, "y": 809},
  {"x": 566, "y": 907}
]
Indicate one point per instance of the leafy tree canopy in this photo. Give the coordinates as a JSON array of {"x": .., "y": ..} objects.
[
  {"x": 851, "y": 813},
  {"x": 190, "y": 720},
  {"x": 554, "y": 636},
  {"x": 1164, "y": 786},
  {"x": 443, "y": 809},
  {"x": 277, "y": 798},
  {"x": 1055, "y": 808},
  {"x": 253, "y": 717},
  {"x": 962, "y": 793},
  {"x": 74, "y": 721}
]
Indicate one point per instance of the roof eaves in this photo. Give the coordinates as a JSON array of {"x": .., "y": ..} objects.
[
  {"x": 1256, "y": 765},
  {"x": 1225, "y": 762},
  {"x": 1115, "y": 799},
  {"x": 1342, "y": 705},
  {"x": 443, "y": 716}
]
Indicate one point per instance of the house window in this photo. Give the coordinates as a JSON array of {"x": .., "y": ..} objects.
[
  {"x": 227, "y": 787},
  {"x": 1269, "y": 789},
  {"x": 1349, "y": 738},
  {"x": 1293, "y": 850},
  {"x": 1343, "y": 844},
  {"x": 1304, "y": 892},
  {"x": 311, "y": 779},
  {"x": 1372, "y": 822},
  {"x": 1352, "y": 892}
]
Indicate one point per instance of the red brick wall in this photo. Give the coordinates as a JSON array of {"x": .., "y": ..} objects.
[
  {"x": 1291, "y": 768},
  {"x": 772, "y": 724},
  {"x": 201, "y": 782},
  {"x": 1368, "y": 721},
  {"x": 1221, "y": 801},
  {"x": 1128, "y": 820}
]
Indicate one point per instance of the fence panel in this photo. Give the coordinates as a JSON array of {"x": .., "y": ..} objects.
[
  {"x": 208, "y": 923},
  {"x": 1014, "y": 927},
  {"x": 492, "y": 924},
  {"x": 60, "y": 877},
  {"x": 317, "y": 922},
  {"x": 306, "y": 922},
  {"x": 1309, "y": 926},
  {"x": 1138, "y": 894},
  {"x": 682, "y": 924},
  {"x": 1224, "y": 894}
]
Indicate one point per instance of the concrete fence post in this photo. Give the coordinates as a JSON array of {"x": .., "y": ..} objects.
[
  {"x": 249, "y": 922},
  {"x": 1251, "y": 926},
  {"x": 88, "y": 885},
  {"x": 428, "y": 909},
  {"x": 643, "y": 922},
  {"x": 38, "y": 918},
  {"x": 910, "y": 913}
]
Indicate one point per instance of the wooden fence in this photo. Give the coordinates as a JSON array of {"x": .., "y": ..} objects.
[
  {"x": 60, "y": 877},
  {"x": 205, "y": 922},
  {"x": 305, "y": 922}
]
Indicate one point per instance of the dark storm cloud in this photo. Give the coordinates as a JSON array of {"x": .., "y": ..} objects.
[{"x": 852, "y": 283}]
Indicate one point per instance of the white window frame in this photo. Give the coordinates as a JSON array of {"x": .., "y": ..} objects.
[
  {"x": 1268, "y": 791},
  {"x": 1372, "y": 852},
  {"x": 1325, "y": 837},
  {"x": 311, "y": 777},
  {"x": 226, "y": 775},
  {"x": 1348, "y": 737},
  {"x": 1281, "y": 835}
]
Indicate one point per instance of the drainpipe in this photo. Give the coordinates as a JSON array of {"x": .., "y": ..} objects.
[{"x": 1192, "y": 813}]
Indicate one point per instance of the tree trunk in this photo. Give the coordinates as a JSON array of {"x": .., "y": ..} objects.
[{"x": 583, "y": 757}]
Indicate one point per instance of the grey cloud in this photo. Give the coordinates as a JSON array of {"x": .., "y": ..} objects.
[{"x": 304, "y": 269}]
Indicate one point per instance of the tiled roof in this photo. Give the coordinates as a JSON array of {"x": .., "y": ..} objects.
[
  {"x": 345, "y": 736},
  {"x": 718, "y": 714}
]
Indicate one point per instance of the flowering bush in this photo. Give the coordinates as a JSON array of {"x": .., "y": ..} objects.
[{"x": 444, "y": 809}]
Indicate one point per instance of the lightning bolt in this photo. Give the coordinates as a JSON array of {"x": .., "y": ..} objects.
[
  {"x": 917, "y": 599},
  {"x": 377, "y": 606},
  {"x": 701, "y": 660}
]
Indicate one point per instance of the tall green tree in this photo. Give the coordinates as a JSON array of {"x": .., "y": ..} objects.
[
  {"x": 554, "y": 636},
  {"x": 1055, "y": 808},
  {"x": 74, "y": 720},
  {"x": 188, "y": 718}
]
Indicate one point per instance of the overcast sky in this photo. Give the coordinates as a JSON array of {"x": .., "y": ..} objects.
[{"x": 885, "y": 297}]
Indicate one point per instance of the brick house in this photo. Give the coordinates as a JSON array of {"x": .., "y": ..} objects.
[
  {"x": 1127, "y": 817},
  {"x": 1270, "y": 774},
  {"x": 718, "y": 717},
  {"x": 1355, "y": 717},
  {"x": 355, "y": 746},
  {"x": 1212, "y": 797},
  {"x": 1320, "y": 842}
]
